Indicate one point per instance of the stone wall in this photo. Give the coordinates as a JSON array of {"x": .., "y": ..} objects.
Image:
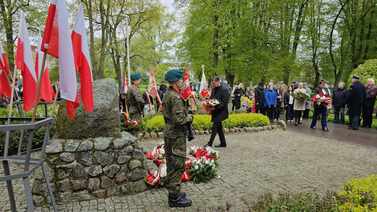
[{"x": 93, "y": 168}]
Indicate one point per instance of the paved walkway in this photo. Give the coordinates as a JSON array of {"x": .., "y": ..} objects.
[{"x": 254, "y": 164}]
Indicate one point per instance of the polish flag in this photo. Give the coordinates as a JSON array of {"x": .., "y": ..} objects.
[
  {"x": 82, "y": 61},
  {"x": 152, "y": 87},
  {"x": 5, "y": 88},
  {"x": 57, "y": 43},
  {"x": 24, "y": 62},
  {"x": 203, "y": 90},
  {"x": 47, "y": 93}
]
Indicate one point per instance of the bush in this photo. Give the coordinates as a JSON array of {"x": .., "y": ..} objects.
[
  {"x": 296, "y": 202},
  {"x": 359, "y": 195},
  {"x": 367, "y": 70},
  {"x": 203, "y": 122}
]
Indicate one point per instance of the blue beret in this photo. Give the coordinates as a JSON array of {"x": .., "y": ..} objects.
[
  {"x": 173, "y": 75},
  {"x": 135, "y": 76}
]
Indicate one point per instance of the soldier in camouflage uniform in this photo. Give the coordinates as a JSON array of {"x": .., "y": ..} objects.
[
  {"x": 176, "y": 117},
  {"x": 135, "y": 100}
]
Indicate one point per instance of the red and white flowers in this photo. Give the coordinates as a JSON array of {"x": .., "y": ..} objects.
[{"x": 200, "y": 165}]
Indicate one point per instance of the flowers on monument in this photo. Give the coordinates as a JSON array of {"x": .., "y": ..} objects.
[
  {"x": 200, "y": 165},
  {"x": 153, "y": 178}
]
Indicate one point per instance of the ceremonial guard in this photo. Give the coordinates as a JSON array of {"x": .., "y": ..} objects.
[
  {"x": 135, "y": 100},
  {"x": 176, "y": 117}
]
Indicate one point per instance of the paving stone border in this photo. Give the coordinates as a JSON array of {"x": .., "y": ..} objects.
[
  {"x": 92, "y": 168},
  {"x": 276, "y": 125}
]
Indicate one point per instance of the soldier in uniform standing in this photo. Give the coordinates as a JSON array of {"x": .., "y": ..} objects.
[
  {"x": 176, "y": 116},
  {"x": 135, "y": 100}
]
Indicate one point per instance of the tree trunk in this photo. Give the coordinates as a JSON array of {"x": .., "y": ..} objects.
[
  {"x": 6, "y": 14},
  {"x": 215, "y": 41}
]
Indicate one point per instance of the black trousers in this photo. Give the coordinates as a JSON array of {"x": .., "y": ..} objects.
[
  {"x": 298, "y": 115},
  {"x": 339, "y": 115},
  {"x": 354, "y": 120},
  {"x": 217, "y": 128},
  {"x": 289, "y": 114},
  {"x": 271, "y": 113},
  {"x": 368, "y": 110}
]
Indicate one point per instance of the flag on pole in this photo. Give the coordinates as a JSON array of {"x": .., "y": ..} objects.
[
  {"x": 125, "y": 85},
  {"x": 82, "y": 61},
  {"x": 57, "y": 43},
  {"x": 5, "y": 88},
  {"x": 203, "y": 90},
  {"x": 152, "y": 87},
  {"x": 186, "y": 93},
  {"x": 24, "y": 62},
  {"x": 46, "y": 91}
]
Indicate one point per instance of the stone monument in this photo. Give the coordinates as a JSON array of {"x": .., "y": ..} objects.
[{"x": 90, "y": 157}]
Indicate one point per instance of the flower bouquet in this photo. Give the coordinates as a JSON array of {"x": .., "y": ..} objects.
[
  {"x": 210, "y": 104},
  {"x": 300, "y": 96},
  {"x": 200, "y": 165},
  {"x": 128, "y": 123}
]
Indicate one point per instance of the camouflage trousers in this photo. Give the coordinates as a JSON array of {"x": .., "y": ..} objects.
[{"x": 175, "y": 151}]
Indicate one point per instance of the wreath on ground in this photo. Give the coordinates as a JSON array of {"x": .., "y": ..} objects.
[{"x": 200, "y": 166}]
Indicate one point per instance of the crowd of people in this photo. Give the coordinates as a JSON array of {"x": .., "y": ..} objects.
[{"x": 298, "y": 99}]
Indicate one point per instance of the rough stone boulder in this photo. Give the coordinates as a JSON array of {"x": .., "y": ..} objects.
[{"x": 104, "y": 121}]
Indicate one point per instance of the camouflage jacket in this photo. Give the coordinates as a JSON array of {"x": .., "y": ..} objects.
[
  {"x": 135, "y": 101},
  {"x": 175, "y": 114}
]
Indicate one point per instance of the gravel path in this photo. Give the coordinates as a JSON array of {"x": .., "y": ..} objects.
[{"x": 254, "y": 164}]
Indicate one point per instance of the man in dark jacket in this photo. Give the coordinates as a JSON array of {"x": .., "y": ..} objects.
[
  {"x": 339, "y": 103},
  {"x": 237, "y": 94},
  {"x": 369, "y": 103},
  {"x": 356, "y": 99},
  {"x": 259, "y": 98},
  {"x": 220, "y": 112}
]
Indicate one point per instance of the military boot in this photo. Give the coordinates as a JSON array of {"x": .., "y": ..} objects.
[{"x": 179, "y": 201}]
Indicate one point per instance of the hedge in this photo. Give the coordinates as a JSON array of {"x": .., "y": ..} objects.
[{"x": 203, "y": 122}]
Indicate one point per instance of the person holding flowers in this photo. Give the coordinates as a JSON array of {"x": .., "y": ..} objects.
[
  {"x": 219, "y": 100},
  {"x": 321, "y": 100},
  {"x": 300, "y": 97},
  {"x": 176, "y": 117}
]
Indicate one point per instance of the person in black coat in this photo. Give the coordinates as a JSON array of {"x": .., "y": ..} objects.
[
  {"x": 220, "y": 113},
  {"x": 259, "y": 98},
  {"x": 339, "y": 103},
  {"x": 288, "y": 104},
  {"x": 356, "y": 99},
  {"x": 237, "y": 94}
]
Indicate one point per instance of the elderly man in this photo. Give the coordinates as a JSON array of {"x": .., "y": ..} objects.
[
  {"x": 339, "y": 103},
  {"x": 368, "y": 107},
  {"x": 356, "y": 100}
]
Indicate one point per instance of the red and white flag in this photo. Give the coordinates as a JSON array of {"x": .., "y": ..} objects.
[
  {"x": 57, "y": 43},
  {"x": 82, "y": 62},
  {"x": 24, "y": 62},
  {"x": 5, "y": 88},
  {"x": 47, "y": 93},
  {"x": 152, "y": 87},
  {"x": 203, "y": 89}
]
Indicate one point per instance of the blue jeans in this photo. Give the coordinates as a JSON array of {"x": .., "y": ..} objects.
[{"x": 320, "y": 111}]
